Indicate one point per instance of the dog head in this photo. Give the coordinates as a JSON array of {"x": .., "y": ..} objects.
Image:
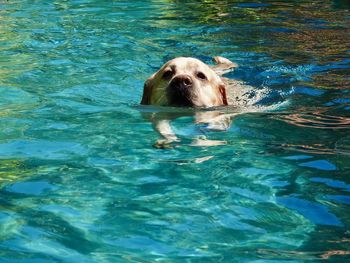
[{"x": 185, "y": 81}]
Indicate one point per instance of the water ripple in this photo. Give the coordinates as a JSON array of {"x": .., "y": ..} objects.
[
  {"x": 80, "y": 180},
  {"x": 315, "y": 120}
]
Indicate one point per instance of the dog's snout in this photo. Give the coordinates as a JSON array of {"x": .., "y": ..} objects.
[{"x": 182, "y": 81}]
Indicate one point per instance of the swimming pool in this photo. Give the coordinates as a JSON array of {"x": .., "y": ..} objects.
[{"x": 80, "y": 180}]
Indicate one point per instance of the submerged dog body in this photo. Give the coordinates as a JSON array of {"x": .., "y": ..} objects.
[{"x": 187, "y": 82}]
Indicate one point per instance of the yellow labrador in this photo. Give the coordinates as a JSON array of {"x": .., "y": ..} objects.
[{"x": 188, "y": 82}]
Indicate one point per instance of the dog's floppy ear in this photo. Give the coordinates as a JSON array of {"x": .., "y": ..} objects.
[
  {"x": 222, "y": 90},
  {"x": 147, "y": 92},
  {"x": 223, "y": 65}
]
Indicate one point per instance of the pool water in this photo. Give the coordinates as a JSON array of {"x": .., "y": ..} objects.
[{"x": 80, "y": 180}]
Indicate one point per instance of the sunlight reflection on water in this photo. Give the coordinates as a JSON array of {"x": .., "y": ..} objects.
[{"x": 80, "y": 180}]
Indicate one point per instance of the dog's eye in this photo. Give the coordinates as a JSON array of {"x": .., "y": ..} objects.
[
  {"x": 167, "y": 74},
  {"x": 201, "y": 75}
]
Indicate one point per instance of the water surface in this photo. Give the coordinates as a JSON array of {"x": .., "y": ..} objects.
[{"x": 80, "y": 180}]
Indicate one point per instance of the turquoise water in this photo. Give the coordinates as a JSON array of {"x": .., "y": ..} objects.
[{"x": 80, "y": 180}]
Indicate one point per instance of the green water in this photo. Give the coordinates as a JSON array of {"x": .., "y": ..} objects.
[{"x": 80, "y": 180}]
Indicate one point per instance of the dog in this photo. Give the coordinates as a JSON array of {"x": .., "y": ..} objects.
[
  {"x": 190, "y": 83},
  {"x": 186, "y": 81}
]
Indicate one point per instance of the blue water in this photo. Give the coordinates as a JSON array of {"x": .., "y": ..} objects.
[{"x": 80, "y": 180}]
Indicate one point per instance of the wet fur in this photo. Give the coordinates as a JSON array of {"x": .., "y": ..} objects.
[{"x": 208, "y": 92}]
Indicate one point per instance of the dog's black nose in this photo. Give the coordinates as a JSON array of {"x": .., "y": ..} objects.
[
  {"x": 180, "y": 92},
  {"x": 182, "y": 81}
]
